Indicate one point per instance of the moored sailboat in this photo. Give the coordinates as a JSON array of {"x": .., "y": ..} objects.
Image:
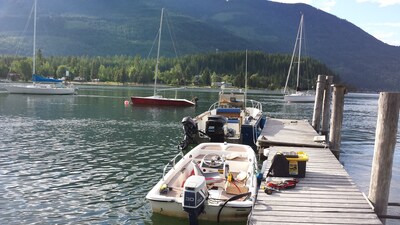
[
  {"x": 299, "y": 95},
  {"x": 40, "y": 85},
  {"x": 156, "y": 99}
]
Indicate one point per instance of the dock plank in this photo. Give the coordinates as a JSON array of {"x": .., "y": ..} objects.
[
  {"x": 323, "y": 196},
  {"x": 326, "y": 195},
  {"x": 288, "y": 132}
]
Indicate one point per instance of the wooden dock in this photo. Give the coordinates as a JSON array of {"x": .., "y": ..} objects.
[
  {"x": 327, "y": 194},
  {"x": 298, "y": 133}
]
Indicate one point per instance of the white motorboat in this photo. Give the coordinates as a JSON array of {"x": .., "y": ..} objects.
[
  {"x": 214, "y": 181},
  {"x": 227, "y": 120},
  {"x": 232, "y": 119}
]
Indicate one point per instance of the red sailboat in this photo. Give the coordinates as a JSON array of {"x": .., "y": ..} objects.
[{"x": 158, "y": 100}]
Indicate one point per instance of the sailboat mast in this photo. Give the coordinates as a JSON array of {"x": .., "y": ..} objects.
[
  {"x": 285, "y": 90},
  {"x": 298, "y": 60},
  {"x": 245, "y": 84},
  {"x": 34, "y": 40},
  {"x": 158, "y": 52}
]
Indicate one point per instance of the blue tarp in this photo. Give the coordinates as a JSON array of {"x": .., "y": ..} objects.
[{"x": 38, "y": 78}]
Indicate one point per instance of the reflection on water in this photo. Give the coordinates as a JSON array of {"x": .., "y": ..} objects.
[{"x": 90, "y": 159}]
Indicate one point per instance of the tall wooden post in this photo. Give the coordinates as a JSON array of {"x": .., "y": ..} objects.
[
  {"x": 337, "y": 118},
  {"x": 327, "y": 105},
  {"x": 385, "y": 142},
  {"x": 316, "y": 120}
]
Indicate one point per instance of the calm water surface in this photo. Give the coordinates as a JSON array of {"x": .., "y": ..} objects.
[{"x": 88, "y": 159}]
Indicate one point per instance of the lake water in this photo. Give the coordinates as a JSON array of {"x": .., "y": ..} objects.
[{"x": 89, "y": 159}]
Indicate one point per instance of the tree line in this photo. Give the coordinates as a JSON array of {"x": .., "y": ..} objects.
[{"x": 264, "y": 70}]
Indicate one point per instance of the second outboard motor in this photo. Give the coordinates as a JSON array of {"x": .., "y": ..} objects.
[
  {"x": 190, "y": 131},
  {"x": 194, "y": 196},
  {"x": 215, "y": 128}
]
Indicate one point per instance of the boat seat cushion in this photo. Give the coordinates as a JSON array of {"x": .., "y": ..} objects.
[
  {"x": 230, "y": 113},
  {"x": 233, "y": 120},
  {"x": 228, "y": 110}
]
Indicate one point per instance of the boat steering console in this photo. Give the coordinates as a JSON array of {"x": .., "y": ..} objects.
[{"x": 212, "y": 160}]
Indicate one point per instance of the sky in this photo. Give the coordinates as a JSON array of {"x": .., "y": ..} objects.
[{"x": 380, "y": 18}]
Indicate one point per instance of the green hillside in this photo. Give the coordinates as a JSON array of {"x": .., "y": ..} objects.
[
  {"x": 264, "y": 70},
  {"x": 125, "y": 27}
]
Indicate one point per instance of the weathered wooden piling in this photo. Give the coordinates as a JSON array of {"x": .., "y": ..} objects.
[
  {"x": 337, "y": 118},
  {"x": 319, "y": 95},
  {"x": 385, "y": 142},
  {"x": 326, "y": 109}
]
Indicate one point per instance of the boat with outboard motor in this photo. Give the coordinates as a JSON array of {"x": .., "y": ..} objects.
[
  {"x": 232, "y": 119},
  {"x": 213, "y": 181}
]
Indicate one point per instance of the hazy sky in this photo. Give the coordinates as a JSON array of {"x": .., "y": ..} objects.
[{"x": 380, "y": 18}]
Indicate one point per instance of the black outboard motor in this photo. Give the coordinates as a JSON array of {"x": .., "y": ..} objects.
[
  {"x": 215, "y": 128},
  {"x": 194, "y": 196},
  {"x": 190, "y": 131}
]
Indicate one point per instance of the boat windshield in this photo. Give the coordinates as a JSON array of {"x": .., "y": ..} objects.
[{"x": 231, "y": 100}]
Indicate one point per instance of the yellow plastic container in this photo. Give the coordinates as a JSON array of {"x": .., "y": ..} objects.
[{"x": 297, "y": 163}]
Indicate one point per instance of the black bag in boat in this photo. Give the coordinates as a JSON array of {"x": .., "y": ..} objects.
[{"x": 279, "y": 166}]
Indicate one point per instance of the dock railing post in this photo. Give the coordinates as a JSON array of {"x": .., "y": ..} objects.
[
  {"x": 337, "y": 118},
  {"x": 385, "y": 142},
  {"x": 316, "y": 120},
  {"x": 327, "y": 105}
]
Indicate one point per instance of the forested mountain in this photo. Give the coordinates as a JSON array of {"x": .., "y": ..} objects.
[
  {"x": 126, "y": 27},
  {"x": 264, "y": 70}
]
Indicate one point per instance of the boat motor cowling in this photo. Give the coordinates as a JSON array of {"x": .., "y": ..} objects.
[
  {"x": 215, "y": 128},
  {"x": 190, "y": 131},
  {"x": 194, "y": 196},
  {"x": 189, "y": 126}
]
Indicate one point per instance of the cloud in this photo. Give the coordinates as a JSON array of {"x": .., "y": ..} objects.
[
  {"x": 382, "y": 3},
  {"x": 385, "y": 31},
  {"x": 387, "y": 24},
  {"x": 327, "y": 5},
  {"x": 324, "y": 5},
  {"x": 293, "y": 1},
  {"x": 387, "y": 37}
]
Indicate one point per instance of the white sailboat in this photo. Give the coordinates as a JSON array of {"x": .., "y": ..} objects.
[
  {"x": 40, "y": 85},
  {"x": 299, "y": 95},
  {"x": 156, "y": 99}
]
